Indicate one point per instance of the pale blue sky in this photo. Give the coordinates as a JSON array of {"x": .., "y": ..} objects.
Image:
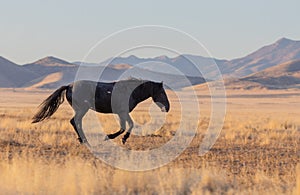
[{"x": 33, "y": 29}]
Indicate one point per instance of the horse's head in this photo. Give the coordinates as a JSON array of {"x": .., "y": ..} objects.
[{"x": 159, "y": 96}]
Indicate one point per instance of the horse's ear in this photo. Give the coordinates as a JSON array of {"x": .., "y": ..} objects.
[{"x": 161, "y": 84}]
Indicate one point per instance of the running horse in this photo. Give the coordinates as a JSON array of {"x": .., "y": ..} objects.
[{"x": 119, "y": 97}]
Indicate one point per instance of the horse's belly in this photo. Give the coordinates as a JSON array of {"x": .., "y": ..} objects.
[
  {"x": 103, "y": 109},
  {"x": 103, "y": 105}
]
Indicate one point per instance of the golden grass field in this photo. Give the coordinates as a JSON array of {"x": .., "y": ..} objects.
[{"x": 257, "y": 151}]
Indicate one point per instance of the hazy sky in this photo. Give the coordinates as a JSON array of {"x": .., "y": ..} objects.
[{"x": 33, "y": 29}]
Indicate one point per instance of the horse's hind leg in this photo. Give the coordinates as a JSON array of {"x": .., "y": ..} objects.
[
  {"x": 76, "y": 122},
  {"x": 122, "y": 129},
  {"x": 73, "y": 123},
  {"x": 130, "y": 123}
]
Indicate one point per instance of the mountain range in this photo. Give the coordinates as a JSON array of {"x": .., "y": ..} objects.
[
  {"x": 272, "y": 66},
  {"x": 282, "y": 76}
]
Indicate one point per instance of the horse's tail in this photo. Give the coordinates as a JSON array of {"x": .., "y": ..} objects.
[{"x": 50, "y": 105}]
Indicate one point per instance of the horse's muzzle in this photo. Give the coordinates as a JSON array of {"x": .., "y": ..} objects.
[{"x": 163, "y": 109}]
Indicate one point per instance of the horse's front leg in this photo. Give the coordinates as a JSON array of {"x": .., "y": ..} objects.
[
  {"x": 130, "y": 123},
  {"x": 122, "y": 129}
]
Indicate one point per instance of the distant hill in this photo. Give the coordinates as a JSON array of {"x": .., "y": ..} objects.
[
  {"x": 51, "y": 61},
  {"x": 281, "y": 51},
  {"x": 13, "y": 75},
  {"x": 282, "y": 76},
  {"x": 183, "y": 64},
  {"x": 47, "y": 66}
]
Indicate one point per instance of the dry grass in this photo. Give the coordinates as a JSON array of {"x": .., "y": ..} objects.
[{"x": 257, "y": 151}]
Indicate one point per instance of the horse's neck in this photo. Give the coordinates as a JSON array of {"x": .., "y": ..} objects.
[{"x": 142, "y": 95}]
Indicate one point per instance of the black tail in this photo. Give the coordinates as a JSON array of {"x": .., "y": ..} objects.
[{"x": 50, "y": 105}]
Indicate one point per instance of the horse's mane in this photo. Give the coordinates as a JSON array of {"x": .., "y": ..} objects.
[{"x": 133, "y": 80}]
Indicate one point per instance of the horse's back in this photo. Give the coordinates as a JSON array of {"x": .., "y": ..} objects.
[{"x": 113, "y": 97}]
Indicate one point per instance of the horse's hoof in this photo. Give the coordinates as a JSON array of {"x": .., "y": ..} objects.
[
  {"x": 84, "y": 142},
  {"x": 87, "y": 144},
  {"x": 126, "y": 136},
  {"x": 106, "y": 138}
]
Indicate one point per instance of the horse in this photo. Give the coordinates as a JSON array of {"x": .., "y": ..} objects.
[{"x": 119, "y": 97}]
